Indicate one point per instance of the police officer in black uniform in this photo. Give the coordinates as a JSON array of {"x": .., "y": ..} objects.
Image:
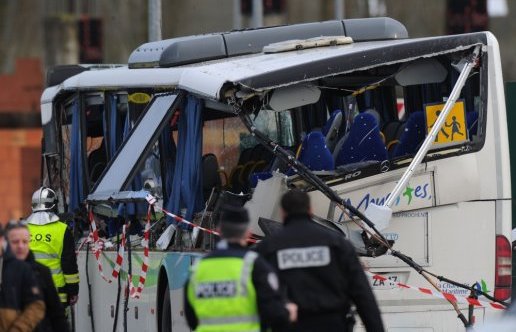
[
  {"x": 217, "y": 297},
  {"x": 319, "y": 271}
]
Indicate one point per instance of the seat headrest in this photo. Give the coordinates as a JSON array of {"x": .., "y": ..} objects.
[
  {"x": 315, "y": 154},
  {"x": 363, "y": 143}
]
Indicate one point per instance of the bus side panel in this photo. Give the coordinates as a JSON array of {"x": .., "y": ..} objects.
[
  {"x": 177, "y": 265},
  {"x": 429, "y": 320},
  {"x": 461, "y": 247},
  {"x": 141, "y": 313}
]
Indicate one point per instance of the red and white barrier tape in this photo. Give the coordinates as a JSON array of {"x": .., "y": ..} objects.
[
  {"x": 442, "y": 295},
  {"x": 97, "y": 250},
  {"x": 152, "y": 201},
  {"x": 135, "y": 292}
]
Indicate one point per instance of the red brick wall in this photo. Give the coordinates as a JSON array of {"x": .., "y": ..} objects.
[
  {"x": 20, "y": 149},
  {"x": 20, "y": 152},
  {"x": 30, "y": 166},
  {"x": 21, "y": 90}
]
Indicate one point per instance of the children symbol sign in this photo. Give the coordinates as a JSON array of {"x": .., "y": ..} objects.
[{"x": 454, "y": 129}]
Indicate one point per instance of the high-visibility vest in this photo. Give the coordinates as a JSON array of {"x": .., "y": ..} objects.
[
  {"x": 222, "y": 294},
  {"x": 46, "y": 242}
]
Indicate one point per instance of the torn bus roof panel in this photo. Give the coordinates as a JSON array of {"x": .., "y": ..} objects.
[
  {"x": 123, "y": 77},
  {"x": 266, "y": 71}
]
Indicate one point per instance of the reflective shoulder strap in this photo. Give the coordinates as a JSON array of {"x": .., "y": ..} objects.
[
  {"x": 39, "y": 256},
  {"x": 247, "y": 269},
  {"x": 251, "y": 319}
]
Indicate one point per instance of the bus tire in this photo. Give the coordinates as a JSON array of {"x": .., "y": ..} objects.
[{"x": 166, "y": 312}]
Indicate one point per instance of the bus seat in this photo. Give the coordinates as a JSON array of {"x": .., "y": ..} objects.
[
  {"x": 245, "y": 174},
  {"x": 472, "y": 122},
  {"x": 390, "y": 130},
  {"x": 259, "y": 176},
  {"x": 315, "y": 154},
  {"x": 259, "y": 166},
  {"x": 245, "y": 156},
  {"x": 339, "y": 144},
  {"x": 246, "y": 171},
  {"x": 331, "y": 129},
  {"x": 391, "y": 146},
  {"x": 97, "y": 161},
  {"x": 412, "y": 136},
  {"x": 364, "y": 142},
  {"x": 261, "y": 153},
  {"x": 382, "y": 136},
  {"x": 210, "y": 174},
  {"x": 376, "y": 115},
  {"x": 233, "y": 181}
]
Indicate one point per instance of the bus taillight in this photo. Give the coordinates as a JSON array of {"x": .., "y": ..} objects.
[{"x": 503, "y": 269}]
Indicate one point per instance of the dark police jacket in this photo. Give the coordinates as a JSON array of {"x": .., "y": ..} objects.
[
  {"x": 55, "y": 319},
  {"x": 21, "y": 305},
  {"x": 320, "y": 272},
  {"x": 270, "y": 303}
]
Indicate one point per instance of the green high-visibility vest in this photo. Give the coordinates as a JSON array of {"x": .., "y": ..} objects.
[
  {"x": 46, "y": 242},
  {"x": 222, "y": 294}
]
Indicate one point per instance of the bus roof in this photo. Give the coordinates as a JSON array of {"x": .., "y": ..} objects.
[
  {"x": 115, "y": 78},
  {"x": 260, "y": 72}
]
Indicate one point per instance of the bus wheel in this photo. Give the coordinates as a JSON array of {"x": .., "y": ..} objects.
[{"x": 166, "y": 312}]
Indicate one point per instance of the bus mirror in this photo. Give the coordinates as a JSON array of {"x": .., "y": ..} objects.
[
  {"x": 293, "y": 96},
  {"x": 421, "y": 71}
]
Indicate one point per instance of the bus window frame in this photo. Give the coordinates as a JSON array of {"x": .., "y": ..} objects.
[
  {"x": 468, "y": 146},
  {"x": 438, "y": 153}
]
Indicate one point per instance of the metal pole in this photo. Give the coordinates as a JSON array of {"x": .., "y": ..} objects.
[
  {"x": 237, "y": 15},
  {"x": 338, "y": 7},
  {"x": 437, "y": 126},
  {"x": 154, "y": 7},
  {"x": 257, "y": 20}
]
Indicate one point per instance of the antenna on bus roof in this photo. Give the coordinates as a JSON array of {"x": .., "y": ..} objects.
[{"x": 154, "y": 8}]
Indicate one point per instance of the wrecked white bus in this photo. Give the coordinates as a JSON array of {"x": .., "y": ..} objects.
[{"x": 250, "y": 114}]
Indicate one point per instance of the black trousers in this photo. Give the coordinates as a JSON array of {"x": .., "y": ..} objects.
[{"x": 321, "y": 323}]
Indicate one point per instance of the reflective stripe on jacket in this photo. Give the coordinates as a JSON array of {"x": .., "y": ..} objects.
[
  {"x": 222, "y": 294},
  {"x": 47, "y": 245}
]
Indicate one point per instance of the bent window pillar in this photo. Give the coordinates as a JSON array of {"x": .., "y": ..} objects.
[{"x": 128, "y": 159}]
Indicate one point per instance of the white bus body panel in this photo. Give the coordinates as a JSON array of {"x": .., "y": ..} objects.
[{"x": 143, "y": 312}]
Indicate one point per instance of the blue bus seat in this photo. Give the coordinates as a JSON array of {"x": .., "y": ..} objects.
[
  {"x": 363, "y": 143},
  {"x": 315, "y": 154},
  {"x": 412, "y": 136},
  {"x": 331, "y": 129}
]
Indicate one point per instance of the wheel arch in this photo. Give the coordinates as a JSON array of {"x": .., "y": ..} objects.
[{"x": 163, "y": 282}]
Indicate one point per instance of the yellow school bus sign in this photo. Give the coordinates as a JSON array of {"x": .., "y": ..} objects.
[{"x": 454, "y": 129}]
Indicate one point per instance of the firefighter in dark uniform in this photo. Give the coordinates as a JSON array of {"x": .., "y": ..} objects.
[
  {"x": 319, "y": 271},
  {"x": 53, "y": 245},
  {"x": 233, "y": 289}
]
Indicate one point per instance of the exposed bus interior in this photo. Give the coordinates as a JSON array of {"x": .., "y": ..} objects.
[
  {"x": 357, "y": 125},
  {"x": 91, "y": 126}
]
